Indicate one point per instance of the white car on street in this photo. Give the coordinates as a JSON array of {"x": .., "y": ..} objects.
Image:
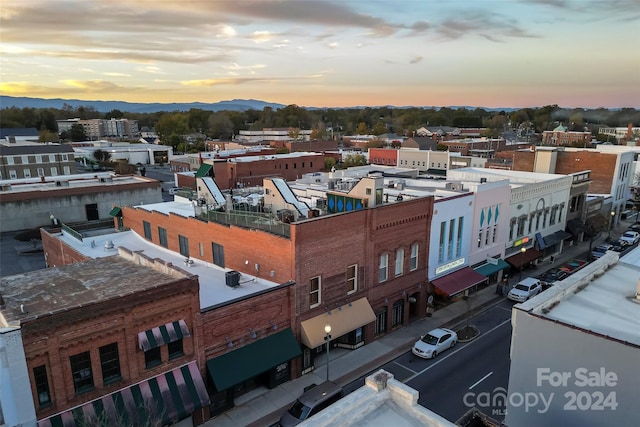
[
  {"x": 630, "y": 237},
  {"x": 525, "y": 289},
  {"x": 434, "y": 343}
]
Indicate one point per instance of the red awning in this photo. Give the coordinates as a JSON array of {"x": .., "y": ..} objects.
[
  {"x": 520, "y": 259},
  {"x": 458, "y": 281}
]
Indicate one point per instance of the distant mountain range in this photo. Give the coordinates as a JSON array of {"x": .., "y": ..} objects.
[{"x": 138, "y": 107}]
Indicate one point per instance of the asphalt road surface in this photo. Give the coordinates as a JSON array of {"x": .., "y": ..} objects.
[{"x": 475, "y": 373}]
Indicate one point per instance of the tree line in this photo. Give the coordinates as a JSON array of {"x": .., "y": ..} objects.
[{"x": 172, "y": 127}]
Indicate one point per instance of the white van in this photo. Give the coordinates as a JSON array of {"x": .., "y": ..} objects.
[{"x": 525, "y": 289}]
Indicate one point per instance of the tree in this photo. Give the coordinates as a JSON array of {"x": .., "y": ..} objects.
[
  {"x": 442, "y": 147},
  {"x": 329, "y": 162},
  {"x": 594, "y": 226},
  {"x": 102, "y": 156},
  {"x": 220, "y": 126},
  {"x": 170, "y": 125},
  {"x": 114, "y": 114},
  {"x": 379, "y": 128},
  {"x": 362, "y": 129},
  {"x": 48, "y": 136},
  {"x": 354, "y": 160},
  {"x": 125, "y": 169},
  {"x": 76, "y": 133}
]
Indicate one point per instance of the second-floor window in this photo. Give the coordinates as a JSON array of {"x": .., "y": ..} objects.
[
  {"x": 81, "y": 372},
  {"x": 383, "y": 268},
  {"x": 352, "y": 278},
  {"x": 184, "y": 245},
  {"x": 399, "y": 261},
  {"x": 110, "y": 363},
  {"x": 147, "y": 230},
  {"x": 42, "y": 385},
  {"x": 314, "y": 291},
  {"x": 162, "y": 236},
  {"x": 415, "y": 249}
]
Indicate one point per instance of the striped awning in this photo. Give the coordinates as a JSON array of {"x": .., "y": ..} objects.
[
  {"x": 161, "y": 400},
  {"x": 162, "y": 335}
]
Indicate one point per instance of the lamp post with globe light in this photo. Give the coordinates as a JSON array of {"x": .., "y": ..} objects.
[
  {"x": 327, "y": 338},
  {"x": 613, "y": 214}
]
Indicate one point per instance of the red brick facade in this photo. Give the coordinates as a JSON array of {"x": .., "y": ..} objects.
[
  {"x": 51, "y": 340},
  {"x": 383, "y": 156},
  {"x": 56, "y": 252}
]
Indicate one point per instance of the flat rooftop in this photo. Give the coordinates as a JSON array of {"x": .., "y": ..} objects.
[
  {"x": 52, "y": 290},
  {"x": 213, "y": 288},
  {"x": 76, "y": 181},
  {"x": 599, "y": 298}
]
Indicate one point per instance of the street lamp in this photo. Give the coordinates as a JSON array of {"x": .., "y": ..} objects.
[
  {"x": 611, "y": 223},
  {"x": 522, "y": 251},
  {"x": 327, "y": 338}
]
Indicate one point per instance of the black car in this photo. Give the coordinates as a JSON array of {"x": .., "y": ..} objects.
[{"x": 553, "y": 275}]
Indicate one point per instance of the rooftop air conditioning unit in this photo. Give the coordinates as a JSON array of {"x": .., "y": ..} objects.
[
  {"x": 233, "y": 278},
  {"x": 5, "y": 187}
]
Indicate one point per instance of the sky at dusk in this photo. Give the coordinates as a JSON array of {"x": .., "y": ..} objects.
[{"x": 494, "y": 53}]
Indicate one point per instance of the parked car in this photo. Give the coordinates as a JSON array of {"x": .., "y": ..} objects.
[
  {"x": 630, "y": 237},
  {"x": 434, "y": 343},
  {"x": 311, "y": 402},
  {"x": 635, "y": 227},
  {"x": 525, "y": 289},
  {"x": 600, "y": 250},
  {"x": 618, "y": 246},
  {"x": 553, "y": 275}
]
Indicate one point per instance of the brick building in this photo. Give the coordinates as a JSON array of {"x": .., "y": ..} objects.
[
  {"x": 563, "y": 136},
  {"x": 35, "y": 161},
  {"x": 610, "y": 172},
  {"x": 248, "y": 171},
  {"x": 106, "y": 340}
]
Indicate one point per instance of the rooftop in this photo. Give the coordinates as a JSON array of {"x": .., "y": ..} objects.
[
  {"x": 600, "y": 298},
  {"x": 213, "y": 288},
  {"x": 52, "y": 290},
  {"x": 382, "y": 401},
  {"x": 76, "y": 181}
]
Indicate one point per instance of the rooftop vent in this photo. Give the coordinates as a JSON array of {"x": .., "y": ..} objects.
[{"x": 232, "y": 278}]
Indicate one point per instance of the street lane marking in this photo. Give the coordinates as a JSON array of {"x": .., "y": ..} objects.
[
  {"x": 481, "y": 379},
  {"x": 404, "y": 367},
  {"x": 442, "y": 359}
]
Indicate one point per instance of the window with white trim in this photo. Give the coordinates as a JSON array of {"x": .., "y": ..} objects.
[
  {"x": 399, "y": 262},
  {"x": 315, "y": 285},
  {"x": 383, "y": 273},
  {"x": 415, "y": 249},
  {"x": 54, "y": 171},
  {"x": 38, "y": 158},
  {"x": 65, "y": 157},
  {"x": 26, "y": 173},
  {"x": 13, "y": 174},
  {"x": 352, "y": 278},
  {"x": 40, "y": 171}
]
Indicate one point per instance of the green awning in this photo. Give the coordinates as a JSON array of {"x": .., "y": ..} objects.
[
  {"x": 488, "y": 269},
  {"x": 162, "y": 400},
  {"x": 115, "y": 211},
  {"x": 204, "y": 170},
  {"x": 246, "y": 362}
]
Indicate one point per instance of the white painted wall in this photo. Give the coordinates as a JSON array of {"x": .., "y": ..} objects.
[{"x": 16, "y": 399}]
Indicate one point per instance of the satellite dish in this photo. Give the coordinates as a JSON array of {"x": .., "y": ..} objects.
[{"x": 430, "y": 299}]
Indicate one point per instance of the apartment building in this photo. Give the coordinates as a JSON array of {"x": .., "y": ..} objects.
[
  {"x": 561, "y": 135},
  {"x": 23, "y": 161}
]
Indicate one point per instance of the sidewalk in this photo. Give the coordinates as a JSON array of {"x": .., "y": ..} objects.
[{"x": 263, "y": 407}]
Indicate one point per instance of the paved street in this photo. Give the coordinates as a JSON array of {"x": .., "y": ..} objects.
[{"x": 477, "y": 367}]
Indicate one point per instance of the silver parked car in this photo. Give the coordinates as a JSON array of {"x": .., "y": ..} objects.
[{"x": 435, "y": 342}]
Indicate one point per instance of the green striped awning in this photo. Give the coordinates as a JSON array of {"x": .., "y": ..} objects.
[
  {"x": 162, "y": 400},
  {"x": 115, "y": 211},
  {"x": 204, "y": 170},
  {"x": 246, "y": 362},
  {"x": 488, "y": 269},
  {"x": 162, "y": 335}
]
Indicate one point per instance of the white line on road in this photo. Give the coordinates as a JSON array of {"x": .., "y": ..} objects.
[
  {"x": 442, "y": 359},
  {"x": 481, "y": 379},
  {"x": 404, "y": 367}
]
